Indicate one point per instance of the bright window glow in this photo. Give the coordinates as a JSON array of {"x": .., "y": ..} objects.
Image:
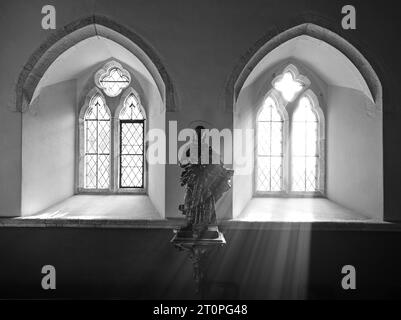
[
  {"x": 114, "y": 81},
  {"x": 269, "y": 148},
  {"x": 132, "y": 126},
  {"x": 305, "y": 151},
  {"x": 97, "y": 145},
  {"x": 132, "y": 109},
  {"x": 288, "y": 87}
]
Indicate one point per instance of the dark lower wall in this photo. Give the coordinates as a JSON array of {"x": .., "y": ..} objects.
[{"x": 142, "y": 264}]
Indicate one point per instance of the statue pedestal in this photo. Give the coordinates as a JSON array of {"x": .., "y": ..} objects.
[{"x": 198, "y": 247}]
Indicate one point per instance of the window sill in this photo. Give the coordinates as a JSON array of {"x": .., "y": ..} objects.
[
  {"x": 346, "y": 226},
  {"x": 121, "y": 191},
  {"x": 100, "y": 207},
  {"x": 279, "y": 209},
  {"x": 225, "y": 226},
  {"x": 30, "y": 222}
]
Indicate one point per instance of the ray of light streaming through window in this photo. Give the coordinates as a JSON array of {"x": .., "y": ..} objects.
[
  {"x": 305, "y": 153},
  {"x": 269, "y": 148}
]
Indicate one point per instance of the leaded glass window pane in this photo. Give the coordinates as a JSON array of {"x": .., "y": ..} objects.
[
  {"x": 132, "y": 124},
  {"x": 132, "y": 155},
  {"x": 269, "y": 148},
  {"x": 114, "y": 81},
  {"x": 97, "y": 145},
  {"x": 132, "y": 109},
  {"x": 305, "y": 152}
]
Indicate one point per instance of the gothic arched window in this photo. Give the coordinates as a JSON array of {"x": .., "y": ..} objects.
[
  {"x": 112, "y": 148},
  {"x": 298, "y": 169},
  {"x": 132, "y": 130},
  {"x": 97, "y": 133}
]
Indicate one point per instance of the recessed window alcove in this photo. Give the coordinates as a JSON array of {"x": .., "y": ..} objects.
[
  {"x": 89, "y": 100},
  {"x": 315, "y": 107}
]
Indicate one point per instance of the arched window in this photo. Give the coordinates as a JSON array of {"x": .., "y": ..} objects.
[
  {"x": 305, "y": 149},
  {"x": 300, "y": 168},
  {"x": 97, "y": 132},
  {"x": 112, "y": 149},
  {"x": 269, "y": 176},
  {"x": 131, "y": 150}
]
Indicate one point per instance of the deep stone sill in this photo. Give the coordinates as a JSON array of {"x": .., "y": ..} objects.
[
  {"x": 92, "y": 223},
  {"x": 224, "y": 225},
  {"x": 346, "y": 225}
]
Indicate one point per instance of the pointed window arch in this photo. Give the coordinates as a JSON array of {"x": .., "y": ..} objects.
[
  {"x": 132, "y": 119},
  {"x": 290, "y": 112},
  {"x": 97, "y": 144}
]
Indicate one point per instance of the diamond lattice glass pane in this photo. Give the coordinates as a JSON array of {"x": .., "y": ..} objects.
[
  {"x": 114, "y": 82},
  {"x": 97, "y": 145},
  {"x": 276, "y": 174},
  {"x": 131, "y": 171},
  {"x": 311, "y": 139},
  {"x": 125, "y": 114},
  {"x": 269, "y": 148},
  {"x": 136, "y": 113},
  {"x": 103, "y": 112},
  {"x": 311, "y": 174},
  {"x": 91, "y": 112},
  {"x": 131, "y": 100},
  {"x": 263, "y": 178},
  {"x": 276, "y": 148},
  {"x": 264, "y": 138},
  {"x": 132, "y": 109},
  {"x": 91, "y": 136},
  {"x": 298, "y": 174},
  {"x": 103, "y": 171},
  {"x": 132, "y": 152},
  {"x": 104, "y": 137},
  {"x": 90, "y": 171},
  {"x": 132, "y": 138},
  {"x": 305, "y": 147}
]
